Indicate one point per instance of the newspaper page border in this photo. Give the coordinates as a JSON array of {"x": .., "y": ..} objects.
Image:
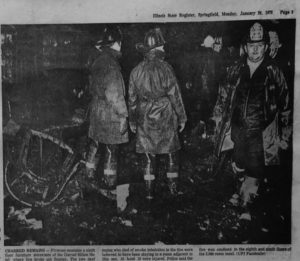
[{"x": 93, "y": 11}]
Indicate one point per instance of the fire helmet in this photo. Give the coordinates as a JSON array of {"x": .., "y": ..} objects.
[
  {"x": 153, "y": 39},
  {"x": 110, "y": 35},
  {"x": 256, "y": 33},
  {"x": 208, "y": 42},
  {"x": 275, "y": 43}
]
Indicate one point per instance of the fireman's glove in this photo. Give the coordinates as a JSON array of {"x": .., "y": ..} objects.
[
  {"x": 123, "y": 125},
  {"x": 283, "y": 144},
  {"x": 181, "y": 126},
  {"x": 132, "y": 127},
  {"x": 236, "y": 169}
]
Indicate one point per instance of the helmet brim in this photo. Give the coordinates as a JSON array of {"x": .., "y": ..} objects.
[{"x": 140, "y": 47}]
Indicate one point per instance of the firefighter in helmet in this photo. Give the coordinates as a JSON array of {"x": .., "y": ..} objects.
[
  {"x": 156, "y": 110},
  {"x": 108, "y": 111},
  {"x": 260, "y": 113}
]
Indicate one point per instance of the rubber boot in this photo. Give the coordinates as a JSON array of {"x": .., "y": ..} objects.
[
  {"x": 110, "y": 166},
  {"x": 149, "y": 176},
  {"x": 240, "y": 178},
  {"x": 172, "y": 173},
  {"x": 90, "y": 165},
  {"x": 248, "y": 192}
]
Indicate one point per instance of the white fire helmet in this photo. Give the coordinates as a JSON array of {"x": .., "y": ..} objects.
[
  {"x": 208, "y": 42},
  {"x": 274, "y": 43},
  {"x": 256, "y": 34}
]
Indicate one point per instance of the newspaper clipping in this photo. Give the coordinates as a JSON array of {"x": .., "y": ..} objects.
[{"x": 149, "y": 131}]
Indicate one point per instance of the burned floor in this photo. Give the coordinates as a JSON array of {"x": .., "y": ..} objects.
[
  {"x": 202, "y": 214},
  {"x": 52, "y": 202}
]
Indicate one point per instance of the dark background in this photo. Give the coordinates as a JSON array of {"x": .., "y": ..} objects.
[
  {"x": 44, "y": 66},
  {"x": 42, "y": 58}
]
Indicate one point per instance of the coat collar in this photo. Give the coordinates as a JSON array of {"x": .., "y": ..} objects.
[
  {"x": 265, "y": 61},
  {"x": 155, "y": 54},
  {"x": 109, "y": 51}
]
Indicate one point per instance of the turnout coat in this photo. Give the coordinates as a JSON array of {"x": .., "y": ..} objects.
[
  {"x": 108, "y": 103},
  {"x": 276, "y": 109},
  {"x": 155, "y": 105}
]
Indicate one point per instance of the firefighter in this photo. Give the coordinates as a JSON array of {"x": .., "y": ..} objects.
[
  {"x": 212, "y": 74},
  {"x": 259, "y": 116},
  {"x": 156, "y": 110},
  {"x": 108, "y": 111}
]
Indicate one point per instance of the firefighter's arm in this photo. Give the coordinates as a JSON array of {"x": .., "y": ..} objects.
[
  {"x": 132, "y": 104},
  {"x": 284, "y": 109},
  {"x": 114, "y": 94},
  {"x": 175, "y": 97}
]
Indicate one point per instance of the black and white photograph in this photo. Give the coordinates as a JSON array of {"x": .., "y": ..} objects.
[{"x": 148, "y": 133}]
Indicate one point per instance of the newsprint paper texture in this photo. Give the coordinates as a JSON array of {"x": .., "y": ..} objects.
[{"x": 227, "y": 203}]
